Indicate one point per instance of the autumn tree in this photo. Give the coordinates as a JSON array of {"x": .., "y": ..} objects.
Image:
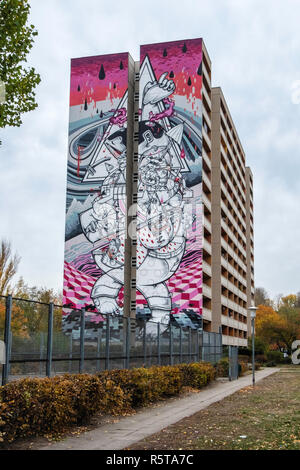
[
  {"x": 35, "y": 306},
  {"x": 9, "y": 263},
  {"x": 281, "y": 328},
  {"x": 19, "y": 324},
  {"x": 16, "y": 40},
  {"x": 267, "y": 324},
  {"x": 290, "y": 301}
]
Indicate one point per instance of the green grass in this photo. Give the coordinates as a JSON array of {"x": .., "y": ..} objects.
[{"x": 264, "y": 418}]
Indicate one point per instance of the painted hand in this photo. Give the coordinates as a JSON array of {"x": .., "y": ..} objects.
[{"x": 157, "y": 91}]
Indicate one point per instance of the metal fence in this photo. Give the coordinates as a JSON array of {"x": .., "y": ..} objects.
[
  {"x": 212, "y": 350},
  {"x": 233, "y": 356},
  {"x": 45, "y": 339}
]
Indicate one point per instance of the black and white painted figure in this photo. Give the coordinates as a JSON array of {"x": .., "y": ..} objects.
[
  {"x": 161, "y": 191},
  {"x": 162, "y": 196}
]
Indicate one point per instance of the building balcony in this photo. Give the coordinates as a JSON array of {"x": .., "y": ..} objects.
[
  {"x": 234, "y": 341},
  {"x": 206, "y": 268}
]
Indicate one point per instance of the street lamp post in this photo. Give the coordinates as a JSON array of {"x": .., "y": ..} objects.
[{"x": 252, "y": 311}]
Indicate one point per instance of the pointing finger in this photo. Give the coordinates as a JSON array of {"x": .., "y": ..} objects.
[{"x": 162, "y": 77}]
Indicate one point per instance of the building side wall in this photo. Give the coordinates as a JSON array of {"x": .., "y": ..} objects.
[
  {"x": 230, "y": 235},
  {"x": 250, "y": 242}
]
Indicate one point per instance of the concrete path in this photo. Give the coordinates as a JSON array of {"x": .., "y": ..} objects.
[{"x": 131, "y": 429}]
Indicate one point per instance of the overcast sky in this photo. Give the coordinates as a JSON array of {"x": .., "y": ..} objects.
[{"x": 254, "y": 46}]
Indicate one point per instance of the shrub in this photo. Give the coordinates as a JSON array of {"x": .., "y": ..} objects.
[
  {"x": 287, "y": 360},
  {"x": 244, "y": 358},
  {"x": 261, "y": 358},
  {"x": 277, "y": 357},
  {"x": 223, "y": 367},
  {"x": 195, "y": 376},
  {"x": 271, "y": 364},
  {"x": 31, "y": 407},
  {"x": 243, "y": 367}
]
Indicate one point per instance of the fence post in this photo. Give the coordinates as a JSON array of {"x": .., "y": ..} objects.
[
  {"x": 82, "y": 328},
  {"x": 107, "y": 339},
  {"x": 98, "y": 348},
  {"x": 41, "y": 352},
  {"x": 197, "y": 346},
  {"x": 229, "y": 360},
  {"x": 10, "y": 348},
  {"x": 180, "y": 343},
  {"x": 200, "y": 336},
  {"x": 158, "y": 344},
  {"x": 7, "y": 338},
  {"x": 215, "y": 347},
  {"x": 127, "y": 343},
  {"x": 144, "y": 342},
  {"x": 49, "y": 340},
  {"x": 70, "y": 351},
  {"x": 220, "y": 348},
  {"x": 171, "y": 344},
  {"x": 190, "y": 343}
]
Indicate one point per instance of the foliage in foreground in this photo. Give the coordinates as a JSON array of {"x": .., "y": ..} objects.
[
  {"x": 32, "y": 407},
  {"x": 16, "y": 41}
]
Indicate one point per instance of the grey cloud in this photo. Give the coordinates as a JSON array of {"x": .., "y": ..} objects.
[{"x": 254, "y": 47}]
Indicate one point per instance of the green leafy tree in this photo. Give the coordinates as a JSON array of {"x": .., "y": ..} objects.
[{"x": 16, "y": 40}]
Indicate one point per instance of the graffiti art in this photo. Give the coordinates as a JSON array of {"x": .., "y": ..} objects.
[
  {"x": 169, "y": 251},
  {"x": 96, "y": 185},
  {"x": 169, "y": 189}
]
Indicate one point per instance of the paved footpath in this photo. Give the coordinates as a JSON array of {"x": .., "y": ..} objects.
[{"x": 131, "y": 429}]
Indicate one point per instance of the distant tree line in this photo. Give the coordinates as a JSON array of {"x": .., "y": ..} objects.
[
  {"x": 277, "y": 323},
  {"x": 27, "y": 317}
]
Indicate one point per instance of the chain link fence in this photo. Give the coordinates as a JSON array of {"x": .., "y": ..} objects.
[{"x": 45, "y": 339}]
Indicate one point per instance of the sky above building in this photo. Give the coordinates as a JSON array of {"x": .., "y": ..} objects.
[{"x": 254, "y": 46}]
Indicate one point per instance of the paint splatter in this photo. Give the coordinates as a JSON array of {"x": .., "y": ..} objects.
[{"x": 101, "y": 73}]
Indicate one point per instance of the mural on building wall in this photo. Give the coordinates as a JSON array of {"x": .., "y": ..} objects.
[
  {"x": 169, "y": 219},
  {"x": 169, "y": 209},
  {"x": 96, "y": 177}
]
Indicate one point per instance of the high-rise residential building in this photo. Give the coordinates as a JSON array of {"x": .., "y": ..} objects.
[
  {"x": 159, "y": 199},
  {"x": 232, "y": 228}
]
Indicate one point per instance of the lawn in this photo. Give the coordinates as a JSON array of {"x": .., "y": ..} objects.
[{"x": 264, "y": 418}]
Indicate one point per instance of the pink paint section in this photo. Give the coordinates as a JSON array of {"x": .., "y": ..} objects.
[
  {"x": 182, "y": 60},
  {"x": 77, "y": 287},
  {"x": 85, "y": 74},
  {"x": 184, "y": 65},
  {"x": 167, "y": 113}
]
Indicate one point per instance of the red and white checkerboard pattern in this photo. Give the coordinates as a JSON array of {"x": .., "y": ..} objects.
[
  {"x": 185, "y": 286},
  {"x": 77, "y": 287}
]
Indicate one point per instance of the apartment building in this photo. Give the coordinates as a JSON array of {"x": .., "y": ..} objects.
[
  {"x": 232, "y": 228},
  {"x": 157, "y": 144}
]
